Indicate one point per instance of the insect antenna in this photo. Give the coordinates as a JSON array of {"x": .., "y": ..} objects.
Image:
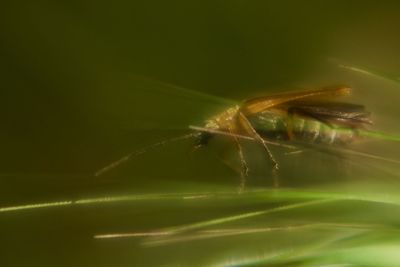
[{"x": 141, "y": 151}]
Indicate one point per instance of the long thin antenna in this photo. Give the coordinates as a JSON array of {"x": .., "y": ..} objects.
[
  {"x": 127, "y": 157},
  {"x": 124, "y": 159}
]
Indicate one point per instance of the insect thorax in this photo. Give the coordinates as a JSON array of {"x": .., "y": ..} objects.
[
  {"x": 224, "y": 120},
  {"x": 221, "y": 122}
]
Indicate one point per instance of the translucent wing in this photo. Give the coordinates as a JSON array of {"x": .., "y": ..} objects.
[
  {"x": 347, "y": 114},
  {"x": 259, "y": 104}
]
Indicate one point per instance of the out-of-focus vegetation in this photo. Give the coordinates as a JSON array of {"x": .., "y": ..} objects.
[{"x": 84, "y": 83}]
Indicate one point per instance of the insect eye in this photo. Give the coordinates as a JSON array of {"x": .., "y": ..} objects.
[{"x": 202, "y": 139}]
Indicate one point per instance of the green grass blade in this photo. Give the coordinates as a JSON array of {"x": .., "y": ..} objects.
[
  {"x": 173, "y": 90},
  {"x": 380, "y": 135},
  {"x": 367, "y": 71}
]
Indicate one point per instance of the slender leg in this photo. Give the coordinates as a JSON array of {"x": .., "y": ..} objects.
[
  {"x": 244, "y": 172},
  {"x": 246, "y": 125}
]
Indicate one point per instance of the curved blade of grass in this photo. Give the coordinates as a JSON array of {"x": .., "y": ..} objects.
[
  {"x": 175, "y": 90},
  {"x": 332, "y": 252},
  {"x": 376, "y": 254},
  {"x": 342, "y": 150},
  {"x": 220, "y": 233},
  {"x": 308, "y": 198},
  {"x": 222, "y": 220},
  {"x": 110, "y": 199},
  {"x": 380, "y": 135},
  {"x": 288, "y": 256},
  {"x": 368, "y": 72},
  {"x": 321, "y": 198}
]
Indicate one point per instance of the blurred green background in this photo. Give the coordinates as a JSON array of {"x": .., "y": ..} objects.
[{"x": 86, "y": 82}]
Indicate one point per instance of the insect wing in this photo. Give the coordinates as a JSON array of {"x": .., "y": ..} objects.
[
  {"x": 259, "y": 104},
  {"x": 331, "y": 112}
]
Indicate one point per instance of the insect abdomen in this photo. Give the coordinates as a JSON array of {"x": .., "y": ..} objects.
[
  {"x": 277, "y": 126},
  {"x": 314, "y": 131}
]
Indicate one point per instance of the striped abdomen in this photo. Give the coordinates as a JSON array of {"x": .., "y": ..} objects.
[{"x": 280, "y": 126}]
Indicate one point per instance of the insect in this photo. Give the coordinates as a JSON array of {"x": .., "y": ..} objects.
[
  {"x": 305, "y": 116},
  {"x": 310, "y": 116}
]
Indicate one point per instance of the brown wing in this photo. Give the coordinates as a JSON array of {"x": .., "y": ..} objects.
[
  {"x": 258, "y": 104},
  {"x": 331, "y": 112}
]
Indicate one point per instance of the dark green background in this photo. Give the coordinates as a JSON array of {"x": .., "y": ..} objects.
[{"x": 72, "y": 99}]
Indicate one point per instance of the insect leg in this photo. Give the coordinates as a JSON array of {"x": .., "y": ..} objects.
[
  {"x": 244, "y": 168},
  {"x": 246, "y": 125}
]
